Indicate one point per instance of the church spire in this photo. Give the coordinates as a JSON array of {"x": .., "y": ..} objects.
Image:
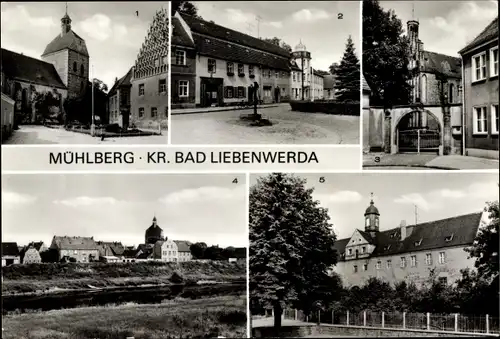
[{"x": 65, "y": 22}]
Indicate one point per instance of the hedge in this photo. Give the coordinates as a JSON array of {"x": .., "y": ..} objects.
[{"x": 328, "y": 107}]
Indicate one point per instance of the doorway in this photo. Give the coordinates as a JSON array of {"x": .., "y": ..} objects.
[{"x": 211, "y": 92}]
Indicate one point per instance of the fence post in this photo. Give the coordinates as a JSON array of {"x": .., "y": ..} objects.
[
  {"x": 347, "y": 318},
  {"x": 333, "y": 318},
  {"x": 428, "y": 321},
  {"x": 295, "y": 314},
  {"x": 418, "y": 141},
  {"x": 364, "y": 318},
  {"x": 487, "y": 323},
  {"x": 319, "y": 316},
  {"x": 456, "y": 322},
  {"x": 307, "y": 318},
  {"x": 404, "y": 320},
  {"x": 272, "y": 312},
  {"x": 383, "y": 319}
]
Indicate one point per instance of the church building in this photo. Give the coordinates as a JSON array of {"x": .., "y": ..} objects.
[{"x": 408, "y": 252}]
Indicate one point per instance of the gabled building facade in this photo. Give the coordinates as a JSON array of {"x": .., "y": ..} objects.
[
  {"x": 119, "y": 101},
  {"x": 183, "y": 250},
  {"x": 149, "y": 91},
  {"x": 166, "y": 250},
  {"x": 10, "y": 254},
  {"x": 480, "y": 83},
  {"x": 408, "y": 252},
  {"x": 82, "y": 249}
]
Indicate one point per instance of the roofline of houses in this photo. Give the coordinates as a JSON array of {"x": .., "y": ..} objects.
[{"x": 467, "y": 50}]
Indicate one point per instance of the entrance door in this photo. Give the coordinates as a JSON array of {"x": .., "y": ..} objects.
[
  {"x": 125, "y": 118},
  {"x": 211, "y": 92},
  {"x": 418, "y": 132},
  {"x": 277, "y": 94}
]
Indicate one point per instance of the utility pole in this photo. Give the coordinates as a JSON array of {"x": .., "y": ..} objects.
[
  {"x": 258, "y": 19},
  {"x": 92, "y": 127}
]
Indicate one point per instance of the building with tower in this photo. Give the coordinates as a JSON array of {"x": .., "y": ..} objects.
[
  {"x": 68, "y": 53},
  {"x": 407, "y": 252},
  {"x": 307, "y": 83},
  {"x": 149, "y": 92},
  {"x": 154, "y": 233}
]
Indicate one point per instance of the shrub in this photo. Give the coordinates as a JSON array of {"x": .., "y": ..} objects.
[
  {"x": 328, "y": 107},
  {"x": 176, "y": 278}
]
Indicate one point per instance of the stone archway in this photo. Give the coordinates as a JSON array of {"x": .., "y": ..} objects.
[{"x": 418, "y": 131}]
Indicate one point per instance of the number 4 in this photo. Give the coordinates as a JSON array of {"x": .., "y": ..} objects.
[{"x": 235, "y": 180}]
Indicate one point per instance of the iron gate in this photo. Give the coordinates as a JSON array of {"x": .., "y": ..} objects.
[{"x": 418, "y": 140}]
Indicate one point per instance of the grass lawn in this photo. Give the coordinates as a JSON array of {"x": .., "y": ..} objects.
[{"x": 181, "y": 318}]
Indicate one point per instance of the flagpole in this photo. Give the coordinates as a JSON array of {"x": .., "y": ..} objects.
[{"x": 92, "y": 127}]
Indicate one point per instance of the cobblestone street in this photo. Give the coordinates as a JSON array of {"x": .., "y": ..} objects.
[
  {"x": 288, "y": 128},
  {"x": 33, "y": 135}
]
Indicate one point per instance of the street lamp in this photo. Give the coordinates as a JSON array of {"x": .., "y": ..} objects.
[{"x": 92, "y": 126}]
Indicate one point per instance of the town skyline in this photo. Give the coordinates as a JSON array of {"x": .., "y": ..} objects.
[
  {"x": 294, "y": 23},
  {"x": 119, "y": 207},
  {"x": 110, "y": 32},
  {"x": 445, "y": 26},
  {"x": 346, "y": 196}
]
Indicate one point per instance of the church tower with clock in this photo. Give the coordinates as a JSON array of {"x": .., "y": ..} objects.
[{"x": 68, "y": 53}]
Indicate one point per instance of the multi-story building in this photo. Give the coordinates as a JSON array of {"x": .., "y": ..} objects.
[
  {"x": 166, "y": 250},
  {"x": 149, "y": 92},
  {"x": 119, "y": 101},
  {"x": 480, "y": 83},
  {"x": 184, "y": 250},
  {"x": 82, "y": 249},
  {"x": 408, "y": 252},
  {"x": 224, "y": 65},
  {"x": 317, "y": 85},
  {"x": 329, "y": 87}
]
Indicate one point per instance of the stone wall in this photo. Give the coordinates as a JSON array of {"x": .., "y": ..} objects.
[{"x": 76, "y": 81}]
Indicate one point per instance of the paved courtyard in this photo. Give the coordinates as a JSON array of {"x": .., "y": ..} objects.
[
  {"x": 225, "y": 127},
  {"x": 33, "y": 135}
]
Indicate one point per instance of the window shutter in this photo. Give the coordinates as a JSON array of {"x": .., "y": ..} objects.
[
  {"x": 244, "y": 92},
  {"x": 176, "y": 89},
  {"x": 226, "y": 94},
  {"x": 235, "y": 92}
]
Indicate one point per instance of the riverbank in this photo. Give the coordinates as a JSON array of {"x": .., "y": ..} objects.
[
  {"x": 56, "y": 277},
  {"x": 207, "y": 317}
]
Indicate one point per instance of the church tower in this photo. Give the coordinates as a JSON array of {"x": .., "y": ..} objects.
[
  {"x": 415, "y": 54},
  {"x": 154, "y": 233},
  {"x": 68, "y": 53},
  {"x": 302, "y": 59},
  {"x": 372, "y": 218}
]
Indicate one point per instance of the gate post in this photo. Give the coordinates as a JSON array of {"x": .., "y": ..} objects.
[
  {"x": 383, "y": 319},
  {"x": 404, "y": 320},
  {"x": 333, "y": 319},
  {"x": 487, "y": 323},
  {"x": 387, "y": 131},
  {"x": 456, "y": 322},
  {"x": 295, "y": 314},
  {"x": 418, "y": 141},
  {"x": 347, "y": 318},
  {"x": 428, "y": 321},
  {"x": 364, "y": 318}
]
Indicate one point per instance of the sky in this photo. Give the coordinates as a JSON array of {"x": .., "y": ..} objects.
[
  {"x": 120, "y": 207},
  {"x": 446, "y": 26},
  {"x": 112, "y": 30},
  {"x": 315, "y": 23},
  {"x": 436, "y": 195}
]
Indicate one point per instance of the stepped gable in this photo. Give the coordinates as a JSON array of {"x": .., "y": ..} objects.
[{"x": 155, "y": 46}]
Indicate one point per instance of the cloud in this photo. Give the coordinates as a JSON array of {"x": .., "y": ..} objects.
[
  {"x": 414, "y": 199},
  {"x": 447, "y": 193},
  {"x": 207, "y": 193},
  {"x": 341, "y": 197},
  {"x": 17, "y": 18},
  {"x": 11, "y": 199},
  {"x": 98, "y": 26},
  {"x": 308, "y": 15},
  {"x": 86, "y": 201},
  {"x": 275, "y": 24},
  {"x": 238, "y": 16}
]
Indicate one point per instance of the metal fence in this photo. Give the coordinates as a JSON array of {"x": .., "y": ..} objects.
[{"x": 402, "y": 320}]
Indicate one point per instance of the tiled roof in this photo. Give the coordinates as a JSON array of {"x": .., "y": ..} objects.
[
  {"x": 211, "y": 29},
  {"x": 37, "y": 245},
  {"x": 455, "y": 231},
  {"x": 123, "y": 81},
  {"x": 329, "y": 81},
  {"x": 70, "y": 40},
  {"x": 75, "y": 243},
  {"x": 130, "y": 253},
  {"x": 183, "y": 245},
  {"x": 116, "y": 247},
  {"x": 23, "y": 68},
  {"x": 10, "y": 248},
  {"x": 228, "y": 51},
  {"x": 441, "y": 63},
  {"x": 179, "y": 36},
  {"x": 489, "y": 33}
]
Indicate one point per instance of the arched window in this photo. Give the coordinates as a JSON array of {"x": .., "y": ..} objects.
[
  {"x": 423, "y": 95},
  {"x": 81, "y": 86},
  {"x": 450, "y": 94},
  {"x": 75, "y": 68},
  {"x": 82, "y": 70}
]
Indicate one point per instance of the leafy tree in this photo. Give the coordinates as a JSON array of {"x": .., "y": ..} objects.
[
  {"x": 348, "y": 74},
  {"x": 333, "y": 68},
  {"x": 185, "y": 7},
  {"x": 47, "y": 105},
  {"x": 486, "y": 244},
  {"x": 291, "y": 245},
  {"x": 278, "y": 42},
  {"x": 213, "y": 253},
  {"x": 228, "y": 252},
  {"x": 386, "y": 56},
  {"x": 80, "y": 108},
  {"x": 198, "y": 250},
  {"x": 100, "y": 85}
]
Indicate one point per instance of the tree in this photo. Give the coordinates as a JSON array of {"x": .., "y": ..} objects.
[
  {"x": 485, "y": 246},
  {"x": 213, "y": 253},
  {"x": 278, "y": 42},
  {"x": 185, "y": 7},
  {"x": 291, "y": 245},
  {"x": 100, "y": 85},
  {"x": 348, "y": 74},
  {"x": 80, "y": 108},
  {"x": 228, "y": 252},
  {"x": 47, "y": 105},
  {"x": 333, "y": 68},
  {"x": 386, "y": 55},
  {"x": 198, "y": 250}
]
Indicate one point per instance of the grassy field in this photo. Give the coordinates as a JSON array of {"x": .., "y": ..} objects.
[
  {"x": 56, "y": 276},
  {"x": 181, "y": 318}
]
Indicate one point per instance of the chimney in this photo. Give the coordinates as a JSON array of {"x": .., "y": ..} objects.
[{"x": 402, "y": 225}]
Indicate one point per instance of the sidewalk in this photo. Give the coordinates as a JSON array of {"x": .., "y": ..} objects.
[
  {"x": 427, "y": 161},
  {"x": 177, "y": 111}
]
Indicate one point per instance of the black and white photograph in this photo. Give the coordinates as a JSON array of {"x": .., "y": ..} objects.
[
  {"x": 430, "y": 85},
  {"x": 85, "y": 72},
  {"x": 374, "y": 255},
  {"x": 265, "y": 72},
  {"x": 124, "y": 256}
]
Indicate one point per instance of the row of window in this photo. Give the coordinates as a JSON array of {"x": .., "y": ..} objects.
[
  {"x": 75, "y": 69},
  {"x": 403, "y": 263},
  {"x": 479, "y": 65},
  {"x": 480, "y": 116},
  {"x": 231, "y": 92},
  {"x": 162, "y": 87},
  {"x": 169, "y": 253},
  {"x": 154, "y": 112}
]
